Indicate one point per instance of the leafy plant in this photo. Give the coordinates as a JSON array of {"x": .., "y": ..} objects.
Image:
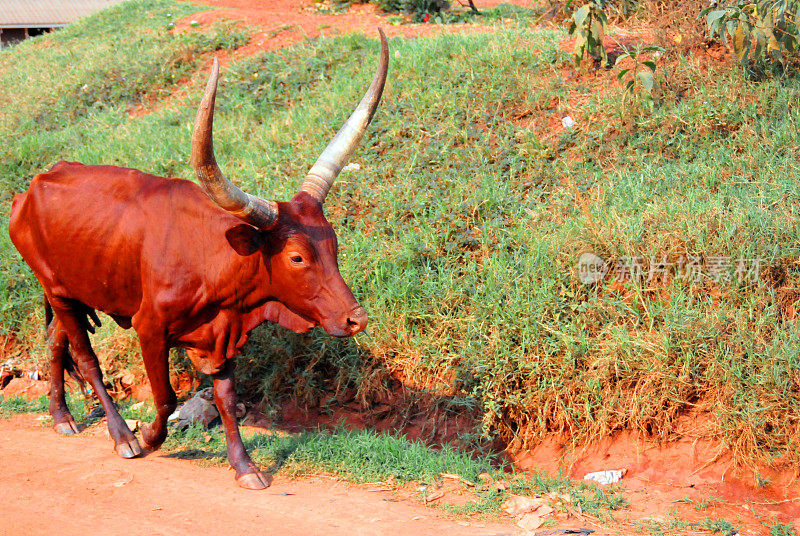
[
  {"x": 705, "y": 504},
  {"x": 641, "y": 72},
  {"x": 588, "y": 25},
  {"x": 421, "y": 10},
  {"x": 762, "y": 481},
  {"x": 719, "y": 526},
  {"x": 781, "y": 529},
  {"x": 765, "y": 32}
]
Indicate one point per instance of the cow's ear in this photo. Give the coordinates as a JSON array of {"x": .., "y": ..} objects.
[{"x": 244, "y": 239}]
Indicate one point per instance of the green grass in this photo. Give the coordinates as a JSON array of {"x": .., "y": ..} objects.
[
  {"x": 673, "y": 525},
  {"x": 358, "y": 456},
  {"x": 15, "y": 404},
  {"x": 367, "y": 456},
  {"x": 78, "y": 407},
  {"x": 461, "y": 232},
  {"x": 719, "y": 526},
  {"x": 704, "y": 504},
  {"x": 781, "y": 529}
]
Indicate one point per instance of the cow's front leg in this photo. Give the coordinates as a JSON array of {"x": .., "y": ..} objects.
[
  {"x": 155, "y": 354},
  {"x": 248, "y": 475}
]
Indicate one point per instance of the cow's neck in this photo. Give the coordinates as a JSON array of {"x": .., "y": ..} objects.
[{"x": 248, "y": 286}]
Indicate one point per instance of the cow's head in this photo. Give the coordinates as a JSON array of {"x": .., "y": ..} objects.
[{"x": 297, "y": 242}]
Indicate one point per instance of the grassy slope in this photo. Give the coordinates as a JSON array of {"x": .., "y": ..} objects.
[{"x": 461, "y": 232}]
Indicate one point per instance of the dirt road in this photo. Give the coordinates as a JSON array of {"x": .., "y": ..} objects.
[{"x": 76, "y": 485}]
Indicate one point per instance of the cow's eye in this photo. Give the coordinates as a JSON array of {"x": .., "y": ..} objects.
[{"x": 297, "y": 259}]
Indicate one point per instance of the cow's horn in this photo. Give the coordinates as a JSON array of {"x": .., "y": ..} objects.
[
  {"x": 324, "y": 171},
  {"x": 223, "y": 192}
]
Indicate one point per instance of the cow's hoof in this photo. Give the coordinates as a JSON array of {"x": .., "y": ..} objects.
[
  {"x": 129, "y": 449},
  {"x": 254, "y": 480},
  {"x": 151, "y": 441},
  {"x": 66, "y": 428}
]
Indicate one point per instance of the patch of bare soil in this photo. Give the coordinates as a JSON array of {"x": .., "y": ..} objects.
[
  {"x": 284, "y": 22},
  {"x": 694, "y": 478},
  {"x": 281, "y": 23},
  {"x": 52, "y": 484}
]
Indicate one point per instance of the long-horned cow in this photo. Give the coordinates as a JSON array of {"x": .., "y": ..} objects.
[{"x": 185, "y": 267}]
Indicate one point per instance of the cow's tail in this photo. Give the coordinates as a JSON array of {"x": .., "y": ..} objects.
[{"x": 69, "y": 362}]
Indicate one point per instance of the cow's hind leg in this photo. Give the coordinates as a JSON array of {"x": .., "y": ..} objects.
[
  {"x": 155, "y": 354},
  {"x": 72, "y": 317},
  {"x": 248, "y": 474},
  {"x": 58, "y": 354}
]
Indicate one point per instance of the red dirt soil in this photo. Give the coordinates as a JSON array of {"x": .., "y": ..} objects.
[
  {"x": 679, "y": 476},
  {"x": 58, "y": 485},
  {"x": 282, "y": 23}
]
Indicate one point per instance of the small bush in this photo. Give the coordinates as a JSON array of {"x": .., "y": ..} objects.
[
  {"x": 764, "y": 34},
  {"x": 588, "y": 26},
  {"x": 419, "y": 8}
]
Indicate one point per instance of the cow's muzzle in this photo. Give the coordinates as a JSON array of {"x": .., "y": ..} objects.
[
  {"x": 348, "y": 324},
  {"x": 357, "y": 320}
]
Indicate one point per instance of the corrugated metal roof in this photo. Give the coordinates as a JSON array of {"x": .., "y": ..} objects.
[{"x": 47, "y": 13}]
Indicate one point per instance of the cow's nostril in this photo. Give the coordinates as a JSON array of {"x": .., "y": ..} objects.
[{"x": 357, "y": 320}]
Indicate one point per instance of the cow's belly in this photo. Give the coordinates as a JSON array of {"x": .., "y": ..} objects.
[{"x": 103, "y": 280}]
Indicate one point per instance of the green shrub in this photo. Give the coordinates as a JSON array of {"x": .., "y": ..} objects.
[
  {"x": 421, "y": 10},
  {"x": 637, "y": 69},
  {"x": 588, "y": 25},
  {"x": 764, "y": 34}
]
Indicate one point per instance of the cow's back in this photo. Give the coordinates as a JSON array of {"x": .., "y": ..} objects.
[{"x": 81, "y": 229}]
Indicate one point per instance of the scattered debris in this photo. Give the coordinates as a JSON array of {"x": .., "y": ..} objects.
[
  {"x": 582, "y": 531},
  {"x": 435, "y": 496},
  {"x": 199, "y": 409},
  {"x": 517, "y": 505},
  {"x": 556, "y": 496},
  {"x": 530, "y": 521},
  {"x": 127, "y": 378},
  {"x": 122, "y": 482},
  {"x": 500, "y": 486},
  {"x": 530, "y": 512},
  {"x": 451, "y": 476},
  {"x": 352, "y": 166},
  {"x": 611, "y": 476},
  {"x": 96, "y": 414}
]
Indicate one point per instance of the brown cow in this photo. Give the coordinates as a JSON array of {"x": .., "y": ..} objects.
[{"x": 184, "y": 266}]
